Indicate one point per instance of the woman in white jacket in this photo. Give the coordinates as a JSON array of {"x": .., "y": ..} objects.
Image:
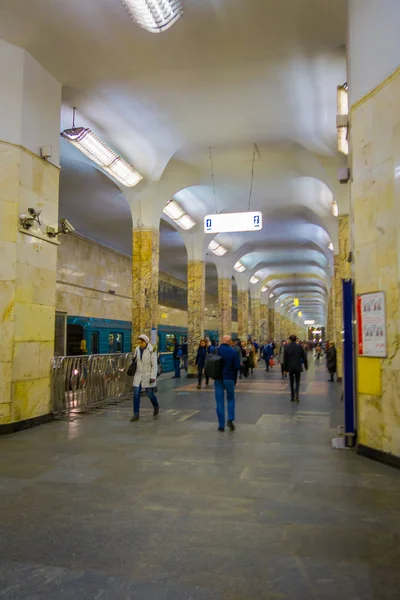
[{"x": 145, "y": 376}]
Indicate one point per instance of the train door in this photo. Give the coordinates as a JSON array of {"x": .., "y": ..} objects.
[
  {"x": 95, "y": 343},
  {"x": 75, "y": 339}
]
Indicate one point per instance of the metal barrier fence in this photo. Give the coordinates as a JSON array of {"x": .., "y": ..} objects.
[{"x": 81, "y": 383}]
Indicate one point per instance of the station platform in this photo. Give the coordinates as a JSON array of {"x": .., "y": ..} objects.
[{"x": 168, "y": 508}]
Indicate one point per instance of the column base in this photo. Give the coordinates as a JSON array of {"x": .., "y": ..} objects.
[
  {"x": 8, "y": 428},
  {"x": 379, "y": 455}
]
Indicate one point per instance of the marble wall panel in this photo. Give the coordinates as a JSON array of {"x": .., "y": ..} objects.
[
  {"x": 225, "y": 306},
  {"x": 264, "y": 322},
  {"x": 27, "y": 283},
  {"x": 196, "y": 304},
  {"x": 145, "y": 268},
  {"x": 243, "y": 314},
  {"x": 255, "y": 305},
  {"x": 375, "y": 142}
]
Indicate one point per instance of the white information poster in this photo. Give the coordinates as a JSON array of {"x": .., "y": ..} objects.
[
  {"x": 153, "y": 336},
  {"x": 371, "y": 325}
]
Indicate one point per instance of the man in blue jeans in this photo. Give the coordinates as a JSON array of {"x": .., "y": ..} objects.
[{"x": 230, "y": 367}]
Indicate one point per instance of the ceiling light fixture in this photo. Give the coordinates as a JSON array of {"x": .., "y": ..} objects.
[
  {"x": 217, "y": 249},
  {"x": 94, "y": 148},
  {"x": 272, "y": 295},
  {"x": 254, "y": 279},
  {"x": 342, "y": 118},
  {"x": 239, "y": 267},
  {"x": 264, "y": 289},
  {"x": 154, "y": 16},
  {"x": 177, "y": 214},
  {"x": 276, "y": 301},
  {"x": 330, "y": 246},
  {"x": 335, "y": 208}
]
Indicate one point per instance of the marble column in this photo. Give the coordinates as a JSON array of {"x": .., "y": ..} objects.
[
  {"x": 28, "y": 264},
  {"x": 277, "y": 326},
  {"x": 196, "y": 305},
  {"x": 271, "y": 323},
  {"x": 243, "y": 314},
  {"x": 145, "y": 269},
  {"x": 341, "y": 272},
  {"x": 225, "y": 306},
  {"x": 255, "y": 308},
  {"x": 264, "y": 321}
]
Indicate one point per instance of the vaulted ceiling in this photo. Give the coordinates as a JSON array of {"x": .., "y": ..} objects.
[{"x": 229, "y": 74}]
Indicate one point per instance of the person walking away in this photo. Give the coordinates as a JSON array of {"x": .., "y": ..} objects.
[
  {"x": 230, "y": 368},
  {"x": 185, "y": 353},
  {"x": 281, "y": 358},
  {"x": 268, "y": 354},
  {"x": 250, "y": 355},
  {"x": 201, "y": 362},
  {"x": 145, "y": 376},
  {"x": 245, "y": 359},
  {"x": 238, "y": 348},
  {"x": 177, "y": 355},
  {"x": 294, "y": 359},
  {"x": 331, "y": 360},
  {"x": 318, "y": 352}
]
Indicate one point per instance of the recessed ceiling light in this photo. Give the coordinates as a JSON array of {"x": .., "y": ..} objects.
[
  {"x": 254, "y": 279},
  {"x": 173, "y": 210},
  {"x": 264, "y": 289},
  {"x": 186, "y": 222}
]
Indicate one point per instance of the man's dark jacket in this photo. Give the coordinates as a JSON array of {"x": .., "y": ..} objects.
[{"x": 294, "y": 358}]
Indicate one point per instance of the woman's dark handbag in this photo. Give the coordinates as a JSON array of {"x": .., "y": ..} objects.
[{"x": 132, "y": 368}]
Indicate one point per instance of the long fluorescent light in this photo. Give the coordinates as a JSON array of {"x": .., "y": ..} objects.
[
  {"x": 309, "y": 322},
  {"x": 343, "y": 100},
  {"x": 239, "y": 267},
  {"x": 154, "y": 16},
  {"x": 264, "y": 289},
  {"x": 94, "y": 148},
  {"x": 343, "y": 143},
  {"x": 217, "y": 249},
  {"x": 272, "y": 295},
  {"x": 177, "y": 214},
  {"x": 335, "y": 208},
  {"x": 276, "y": 301},
  {"x": 254, "y": 279},
  {"x": 173, "y": 210},
  {"x": 186, "y": 222},
  {"x": 330, "y": 246}
]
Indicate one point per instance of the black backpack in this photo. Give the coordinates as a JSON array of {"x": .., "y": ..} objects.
[{"x": 213, "y": 368}]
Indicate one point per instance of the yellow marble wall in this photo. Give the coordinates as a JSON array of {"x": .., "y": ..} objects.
[
  {"x": 338, "y": 313},
  {"x": 243, "y": 314},
  {"x": 225, "y": 306},
  {"x": 196, "y": 301},
  {"x": 145, "y": 268},
  {"x": 27, "y": 285},
  {"x": 264, "y": 322},
  {"x": 271, "y": 323},
  {"x": 255, "y": 305},
  {"x": 277, "y": 326},
  {"x": 375, "y": 191}
]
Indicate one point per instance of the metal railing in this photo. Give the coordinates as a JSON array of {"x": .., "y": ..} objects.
[{"x": 81, "y": 383}]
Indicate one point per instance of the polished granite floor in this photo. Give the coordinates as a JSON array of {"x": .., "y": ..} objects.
[{"x": 170, "y": 509}]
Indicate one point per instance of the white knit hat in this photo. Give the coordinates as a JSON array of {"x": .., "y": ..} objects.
[{"x": 144, "y": 338}]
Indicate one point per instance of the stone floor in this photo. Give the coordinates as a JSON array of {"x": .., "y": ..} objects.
[{"x": 170, "y": 509}]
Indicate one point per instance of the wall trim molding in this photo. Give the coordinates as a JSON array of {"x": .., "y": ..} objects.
[
  {"x": 379, "y": 455},
  {"x": 375, "y": 90}
]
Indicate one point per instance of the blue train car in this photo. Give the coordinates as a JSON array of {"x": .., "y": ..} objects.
[{"x": 87, "y": 335}]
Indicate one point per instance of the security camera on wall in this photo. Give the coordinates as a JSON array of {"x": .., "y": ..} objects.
[{"x": 66, "y": 226}]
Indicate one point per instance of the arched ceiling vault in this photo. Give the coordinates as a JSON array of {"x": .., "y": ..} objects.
[{"x": 226, "y": 76}]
